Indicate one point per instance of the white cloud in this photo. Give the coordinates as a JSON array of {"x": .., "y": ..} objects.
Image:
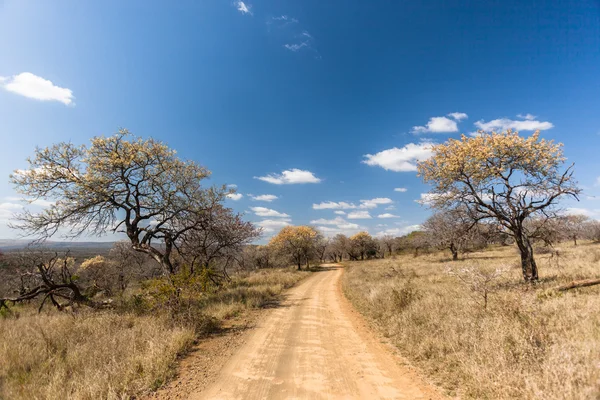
[
  {"x": 270, "y": 225},
  {"x": 400, "y": 160},
  {"x": 390, "y": 207},
  {"x": 243, "y": 7},
  {"x": 502, "y": 124},
  {"x": 232, "y": 186},
  {"x": 323, "y": 221},
  {"x": 7, "y": 210},
  {"x": 235, "y": 196},
  {"x": 340, "y": 212},
  {"x": 332, "y": 205},
  {"x": 398, "y": 231},
  {"x": 437, "y": 125},
  {"x": 387, "y": 215},
  {"x": 373, "y": 203},
  {"x": 35, "y": 87},
  {"x": 527, "y": 116},
  {"x": 401, "y": 190},
  {"x": 292, "y": 176},
  {"x": 359, "y": 215},
  {"x": 285, "y": 18},
  {"x": 295, "y": 46},
  {"x": 458, "y": 116},
  {"x": 267, "y": 212},
  {"x": 264, "y": 197},
  {"x": 428, "y": 199}
]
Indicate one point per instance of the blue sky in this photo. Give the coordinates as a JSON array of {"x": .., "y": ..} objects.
[{"x": 342, "y": 95}]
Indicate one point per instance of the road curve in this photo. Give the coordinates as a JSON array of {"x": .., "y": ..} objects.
[{"x": 314, "y": 347}]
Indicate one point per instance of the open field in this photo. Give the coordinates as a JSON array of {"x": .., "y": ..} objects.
[
  {"x": 529, "y": 343},
  {"x": 121, "y": 353}
]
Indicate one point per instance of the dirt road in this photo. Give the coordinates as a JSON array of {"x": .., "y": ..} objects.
[{"x": 315, "y": 347}]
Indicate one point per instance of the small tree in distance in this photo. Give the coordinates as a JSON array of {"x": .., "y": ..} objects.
[
  {"x": 297, "y": 242},
  {"x": 504, "y": 177}
]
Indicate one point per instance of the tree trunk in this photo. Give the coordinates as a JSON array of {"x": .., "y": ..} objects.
[
  {"x": 454, "y": 251},
  {"x": 299, "y": 266},
  {"x": 528, "y": 265},
  {"x": 575, "y": 240}
]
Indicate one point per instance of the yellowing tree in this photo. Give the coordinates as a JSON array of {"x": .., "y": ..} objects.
[
  {"x": 363, "y": 244},
  {"x": 501, "y": 176},
  {"x": 121, "y": 184},
  {"x": 298, "y": 242}
]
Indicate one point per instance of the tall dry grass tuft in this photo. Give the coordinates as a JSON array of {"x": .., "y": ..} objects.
[
  {"x": 90, "y": 356},
  {"x": 528, "y": 343}
]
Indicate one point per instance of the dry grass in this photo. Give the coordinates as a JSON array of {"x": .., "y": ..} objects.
[
  {"x": 117, "y": 355},
  {"x": 93, "y": 356},
  {"x": 530, "y": 343}
]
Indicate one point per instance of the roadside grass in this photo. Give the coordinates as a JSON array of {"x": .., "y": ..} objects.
[
  {"x": 122, "y": 353},
  {"x": 529, "y": 343}
]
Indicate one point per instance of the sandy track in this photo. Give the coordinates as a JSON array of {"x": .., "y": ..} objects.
[{"x": 314, "y": 347}]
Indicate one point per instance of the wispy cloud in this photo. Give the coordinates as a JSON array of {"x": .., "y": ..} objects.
[
  {"x": 288, "y": 177},
  {"x": 295, "y": 46},
  {"x": 35, "y": 87},
  {"x": 400, "y": 159},
  {"x": 243, "y": 7},
  {"x": 401, "y": 190},
  {"x": 285, "y": 19}
]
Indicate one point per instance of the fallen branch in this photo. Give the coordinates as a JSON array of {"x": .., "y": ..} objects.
[{"x": 577, "y": 284}]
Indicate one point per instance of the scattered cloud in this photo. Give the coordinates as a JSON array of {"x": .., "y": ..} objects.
[
  {"x": 458, "y": 116},
  {"x": 264, "y": 197},
  {"x": 400, "y": 160},
  {"x": 267, "y": 212},
  {"x": 232, "y": 186},
  {"x": 289, "y": 177},
  {"x": 390, "y": 207},
  {"x": 243, "y": 7},
  {"x": 398, "y": 231},
  {"x": 527, "y": 116},
  {"x": 340, "y": 212},
  {"x": 359, "y": 215},
  {"x": 592, "y": 213},
  {"x": 373, "y": 203},
  {"x": 502, "y": 124},
  {"x": 235, "y": 196},
  {"x": 387, "y": 215},
  {"x": 323, "y": 221},
  {"x": 35, "y": 87},
  {"x": 332, "y": 205},
  {"x": 342, "y": 205},
  {"x": 438, "y": 125},
  {"x": 271, "y": 225},
  {"x": 7, "y": 210},
  {"x": 401, "y": 190}
]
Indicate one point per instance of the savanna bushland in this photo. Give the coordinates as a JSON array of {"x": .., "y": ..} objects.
[{"x": 495, "y": 296}]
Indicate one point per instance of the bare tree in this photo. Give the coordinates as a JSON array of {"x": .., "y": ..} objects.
[
  {"x": 118, "y": 184},
  {"x": 389, "y": 242},
  {"x": 340, "y": 244},
  {"x": 450, "y": 229},
  {"x": 48, "y": 276}
]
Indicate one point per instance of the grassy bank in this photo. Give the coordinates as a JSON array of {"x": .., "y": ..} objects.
[
  {"x": 528, "y": 343},
  {"x": 121, "y": 353}
]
